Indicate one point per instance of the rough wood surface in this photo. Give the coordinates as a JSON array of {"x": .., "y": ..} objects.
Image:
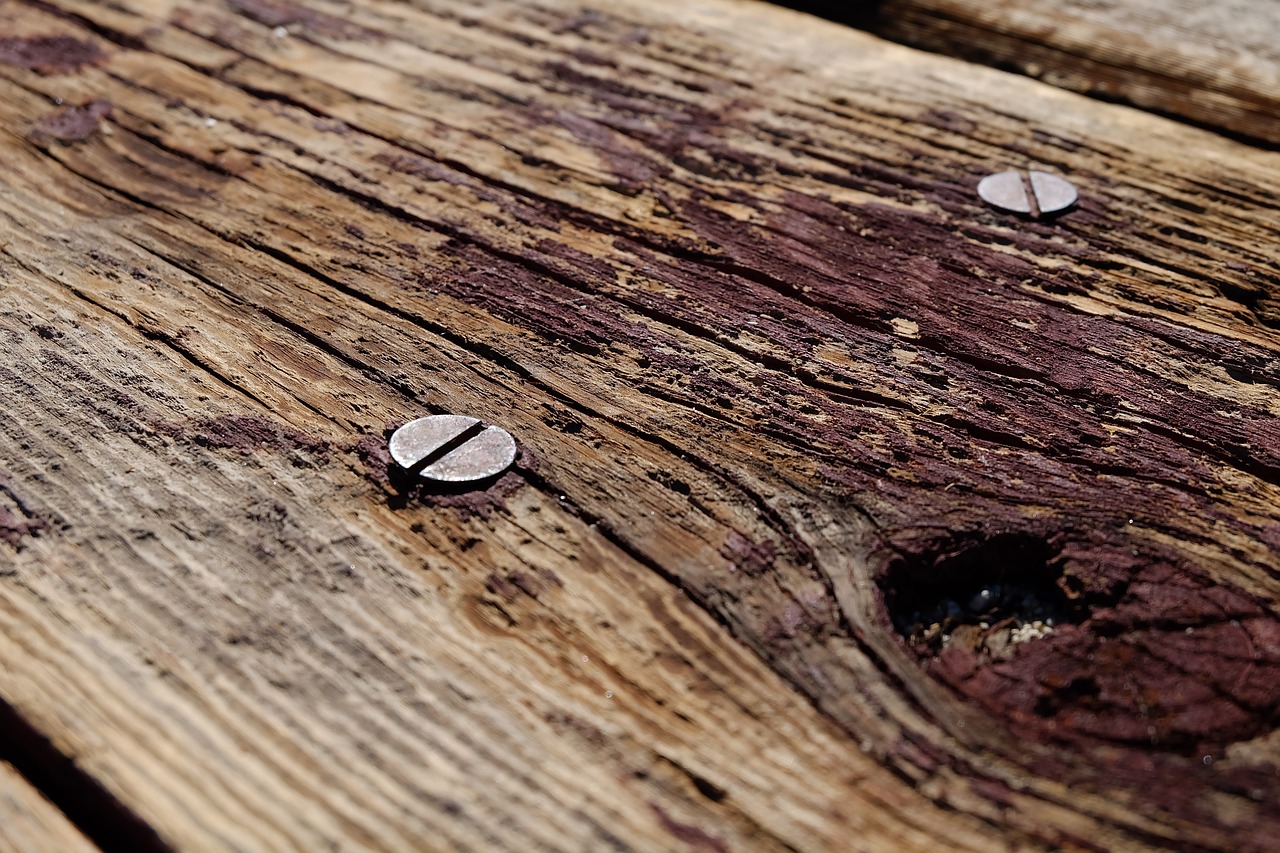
[
  {"x": 785, "y": 391},
  {"x": 29, "y": 823},
  {"x": 1217, "y": 64}
]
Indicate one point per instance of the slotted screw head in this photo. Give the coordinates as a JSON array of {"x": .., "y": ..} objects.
[
  {"x": 452, "y": 448},
  {"x": 1037, "y": 194}
]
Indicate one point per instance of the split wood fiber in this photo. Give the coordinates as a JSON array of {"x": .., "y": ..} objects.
[{"x": 782, "y": 386}]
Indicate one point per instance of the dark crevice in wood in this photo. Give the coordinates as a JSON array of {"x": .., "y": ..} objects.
[
  {"x": 1008, "y": 576},
  {"x": 172, "y": 343},
  {"x": 863, "y": 14},
  {"x": 83, "y": 800},
  {"x": 114, "y": 36}
]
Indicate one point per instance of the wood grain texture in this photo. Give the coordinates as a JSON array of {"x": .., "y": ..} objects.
[
  {"x": 29, "y": 823},
  {"x": 779, "y": 381},
  {"x": 1216, "y": 64}
]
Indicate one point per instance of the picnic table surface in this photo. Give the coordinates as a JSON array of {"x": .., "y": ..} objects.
[{"x": 849, "y": 512}]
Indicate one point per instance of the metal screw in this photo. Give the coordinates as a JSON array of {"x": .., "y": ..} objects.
[
  {"x": 1038, "y": 194},
  {"x": 452, "y": 448}
]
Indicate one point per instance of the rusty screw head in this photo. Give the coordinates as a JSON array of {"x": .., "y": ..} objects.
[
  {"x": 1035, "y": 194},
  {"x": 452, "y": 448}
]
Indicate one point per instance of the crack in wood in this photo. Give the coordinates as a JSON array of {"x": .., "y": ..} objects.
[{"x": 101, "y": 816}]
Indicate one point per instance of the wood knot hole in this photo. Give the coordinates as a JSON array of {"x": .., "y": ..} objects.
[{"x": 988, "y": 596}]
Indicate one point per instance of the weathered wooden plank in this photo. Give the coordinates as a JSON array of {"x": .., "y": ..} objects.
[
  {"x": 1216, "y": 64},
  {"x": 721, "y": 270},
  {"x": 29, "y": 823}
]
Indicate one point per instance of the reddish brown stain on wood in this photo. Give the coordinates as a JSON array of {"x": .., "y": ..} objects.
[
  {"x": 812, "y": 614},
  {"x": 72, "y": 123},
  {"x": 245, "y": 433},
  {"x": 19, "y": 521},
  {"x": 49, "y": 54},
  {"x": 14, "y": 527},
  {"x": 747, "y": 556},
  {"x": 694, "y": 836}
]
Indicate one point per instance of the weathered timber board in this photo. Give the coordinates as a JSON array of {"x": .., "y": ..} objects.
[
  {"x": 1216, "y": 64},
  {"x": 29, "y": 823},
  {"x": 720, "y": 269}
]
